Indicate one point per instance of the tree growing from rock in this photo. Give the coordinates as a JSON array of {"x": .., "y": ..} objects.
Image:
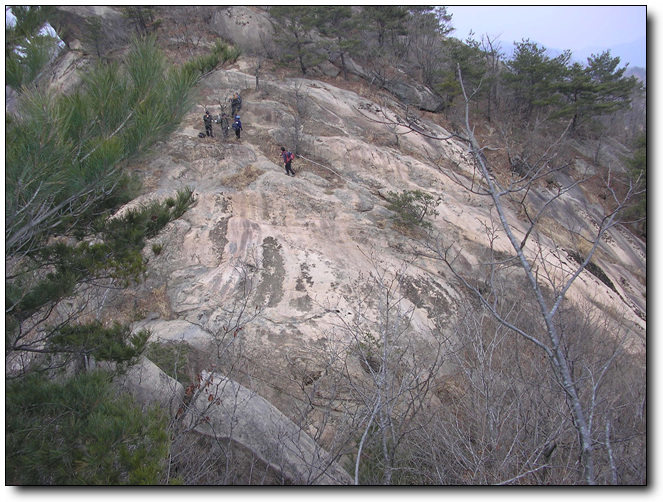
[
  {"x": 339, "y": 24},
  {"x": 549, "y": 281},
  {"x": 413, "y": 207},
  {"x": 293, "y": 29}
]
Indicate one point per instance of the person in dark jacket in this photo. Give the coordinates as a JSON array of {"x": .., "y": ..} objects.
[
  {"x": 225, "y": 126},
  {"x": 287, "y": 161},
  {"x": 207, "y": 118},
  {"x": 236, "y": 103},
  {"x": 237, "y": 126}
]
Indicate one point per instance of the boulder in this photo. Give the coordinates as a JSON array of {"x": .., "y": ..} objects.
[
  {"x": 148, "y": 384},
  {"x": 415, "y": 95},
  {"x": 65, "y": 74},
  {"x": 243, "y": 417},
  {"x": 92, "y": 29},
  {"x": 246, "y": 28}
]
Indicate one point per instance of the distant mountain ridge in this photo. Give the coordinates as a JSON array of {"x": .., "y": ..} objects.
[
  {"x": 633, "y": 53},
  {"x": 638, "y": 72}
]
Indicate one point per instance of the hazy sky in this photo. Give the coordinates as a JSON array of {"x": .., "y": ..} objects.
[{"x": 554, "y": 26}]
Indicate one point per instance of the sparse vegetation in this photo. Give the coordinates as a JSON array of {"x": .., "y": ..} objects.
[
  {"x": 173, "y": 359},
  {"x": 412, "y": 208},
  {"x": 494, "y": 376},
  {"x": 638, "y": 176},
  {"x": 220, "y": 54}
]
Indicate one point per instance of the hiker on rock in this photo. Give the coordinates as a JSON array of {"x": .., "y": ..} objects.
[
  {"x": 236, "y": 103},
  {"x": 287, "y": 161},
  {"x": 225, "y": 126},
  {"x": 237, "y": 126},
  {"x": 207, "y": 118}
]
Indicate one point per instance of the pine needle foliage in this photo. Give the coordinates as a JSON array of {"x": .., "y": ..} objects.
[
  {"x": 115, "y": 343},
  {"x": 65, "y": 157},
  {"x": 221, "y": 53},
  {"x": 412, "y": 207},
  {"x": 81, "y": 432},
  {"x": 65, "y": 154},
  {"x": 27, "y": 49},
  {"x": 55, "y": 271}
]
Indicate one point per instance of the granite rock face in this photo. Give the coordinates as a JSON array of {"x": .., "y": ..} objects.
[
  {"x": 112, "y": 31},
  {"x": 330, "y": 217},
  {"x": 264, "y": 272},
  {"x": 248, "y": 28},
  {"x": 283, "y": 258}
]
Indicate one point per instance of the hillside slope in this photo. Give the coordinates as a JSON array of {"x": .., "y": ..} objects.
[
  {"x": 275, "y": 281},
  {"x": 309, "y": 238}
]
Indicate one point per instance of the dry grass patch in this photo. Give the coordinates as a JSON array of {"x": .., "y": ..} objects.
[{"x": 242, "y": 179}]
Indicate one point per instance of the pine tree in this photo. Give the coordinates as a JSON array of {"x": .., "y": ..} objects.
[
  {"x": 596, "y": 89},
  {"x": 534, "y": 77},
  {"x": 64, "y": 177},
  {"x": 80, "y": 431},
  {"x": 387, "y": 20},
  {"x": 293, "y": 32},
  {"x": 468, "y": 57},
  {"x": 427, "y": 28},
  {"x": 27, "y": 49},
  {"x": 613, "y": 90},
  {"x": 338, "y": 23},
  {"x": 64, "y": 154}
]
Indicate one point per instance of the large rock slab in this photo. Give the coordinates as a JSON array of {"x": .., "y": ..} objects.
[
  {"x": 245, "y": 27},
  {"x": 239, "y": 415},
  {"x": 303, "y": 242},
  {"x": 148, "y": 384},
  {"x": 98, "y": 28},
  {"x": 290, "y": 254}
]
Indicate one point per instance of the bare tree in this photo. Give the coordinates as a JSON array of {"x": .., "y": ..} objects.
[
  {"x": 547, "y": 279},
  {"x": 500, "y": 420},
  {"x": 217, "y": 464},
  {"x": 492, "y": 50},
  {"x": 537, "y": 253},
  {"x": 387, "y": 368}
]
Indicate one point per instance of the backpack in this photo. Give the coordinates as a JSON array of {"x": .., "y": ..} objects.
[
  {"x": 235, "y": 126},
  {"x": 289, "y": 157}
]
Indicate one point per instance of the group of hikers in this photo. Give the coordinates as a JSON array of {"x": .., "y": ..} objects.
[
  {"x": 225, "y": 124},
  {"x": 222, "y": 119}
]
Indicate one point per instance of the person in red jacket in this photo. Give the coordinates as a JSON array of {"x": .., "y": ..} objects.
[{"x": 287, "y": 161}]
